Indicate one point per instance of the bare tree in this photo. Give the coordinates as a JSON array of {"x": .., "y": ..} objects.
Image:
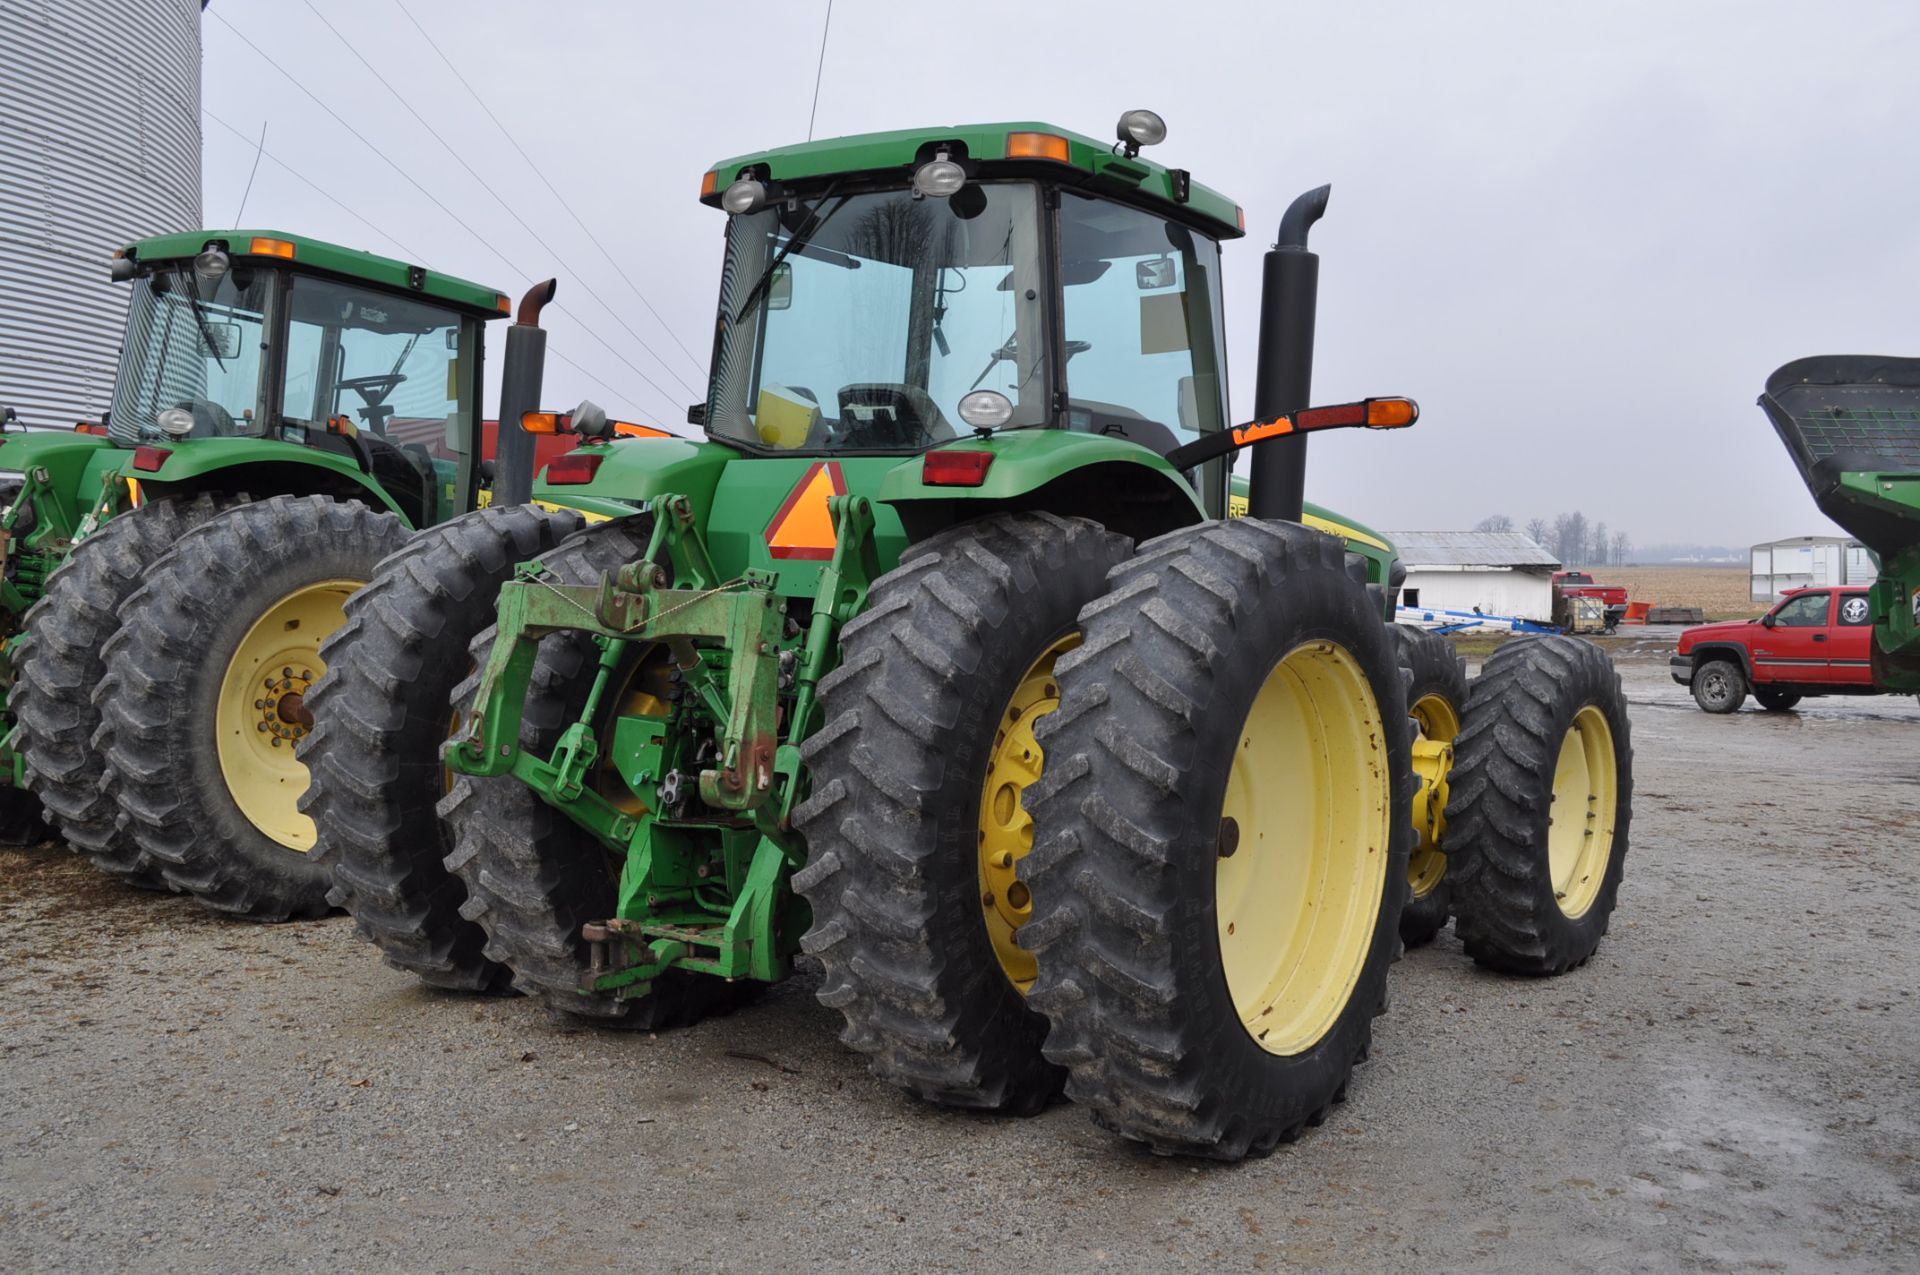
[
  {"x": 1494, "y": 522},
  {"x": 1570, "y": 538},
  {"x": 1538, "y": 529},
  {"x": 1622, "y": 548},
  {"x": 1599, "y": 542}
]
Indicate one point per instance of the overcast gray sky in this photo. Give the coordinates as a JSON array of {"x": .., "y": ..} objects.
[{"x": 1581, "y": 235}]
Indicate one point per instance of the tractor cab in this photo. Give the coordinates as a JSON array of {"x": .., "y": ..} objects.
[
  {"x": 250, "y": 335},
  {"x": 893, "y": 293}
]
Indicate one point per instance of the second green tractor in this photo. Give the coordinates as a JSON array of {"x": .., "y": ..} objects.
[{"x": 938, "y": 661}]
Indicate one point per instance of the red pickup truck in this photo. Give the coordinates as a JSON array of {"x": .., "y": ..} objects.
[
  {"x": 1815, "y": 642},
  {"x": 1578, "y": 584}
]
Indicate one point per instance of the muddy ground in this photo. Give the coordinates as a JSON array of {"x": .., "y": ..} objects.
[{"x": 1730, "y": 1085}]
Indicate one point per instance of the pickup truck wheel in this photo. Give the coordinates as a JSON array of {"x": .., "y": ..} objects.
[
  {"x": 1719, "y": 686},
  {"x": 1775, "y": 701}
]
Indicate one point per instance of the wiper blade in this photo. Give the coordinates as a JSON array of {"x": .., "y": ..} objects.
[
  {"x": 200, "y": 317},
  {"x": 799, "y": 240}
]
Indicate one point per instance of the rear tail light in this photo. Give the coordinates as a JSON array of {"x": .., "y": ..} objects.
[
  {"x": 150, "y": 459},
  {"x": 955, "y": 469},
  {"x": 574, "y": 469}
]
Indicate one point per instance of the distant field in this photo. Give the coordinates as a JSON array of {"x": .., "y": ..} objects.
[{"x": 1722, "y": 592}]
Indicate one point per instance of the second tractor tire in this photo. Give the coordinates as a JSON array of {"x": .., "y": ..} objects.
[
  {"x": 63, "y": 660},
  {"x": 381, "y": 713},
  {"x": 202, "y": 703},
  {"x": 1437, "y": 702},
  {"x": 914, "y": 825},
  {"x": 1220, "y": 853},
  {"x": 1542, "y": 798}
]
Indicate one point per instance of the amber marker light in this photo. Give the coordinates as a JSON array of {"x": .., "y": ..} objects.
[
  {"x": 265, "y": 247},
  {"x": 709, "y": 184},
  {"x": 546, "y": 422},
  {"x": 1037, "y": 146},
  {"x": 1391, "y": 413}
]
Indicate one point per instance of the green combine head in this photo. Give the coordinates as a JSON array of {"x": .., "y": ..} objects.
[{"x": 1851, "y": 422}]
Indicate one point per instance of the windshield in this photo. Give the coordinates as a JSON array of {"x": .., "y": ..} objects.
[
  {"x": 389, "y": 365},
  {"x": 193, "y": 345},
  {"x": 867, "y": 335}
]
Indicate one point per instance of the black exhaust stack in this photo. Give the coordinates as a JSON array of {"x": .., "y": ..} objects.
[
  {"x": 1283, "y": 379},
  {"x": 522, "y": 369}
]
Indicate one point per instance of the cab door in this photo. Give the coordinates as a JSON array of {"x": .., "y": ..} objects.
[
  {"x": 1795, "y": 648},
  {"x": 1850, "y": 641}
]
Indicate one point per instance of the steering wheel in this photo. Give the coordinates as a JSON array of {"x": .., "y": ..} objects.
[{"x": 373, "y": 390}]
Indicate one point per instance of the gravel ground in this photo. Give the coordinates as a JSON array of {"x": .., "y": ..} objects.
[{"x": 1729, "y": 1085}]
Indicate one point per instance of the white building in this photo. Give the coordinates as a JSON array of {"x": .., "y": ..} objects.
[
  {"x": 1499, "y": 572},
  {"x": 1800, "y": 561}
]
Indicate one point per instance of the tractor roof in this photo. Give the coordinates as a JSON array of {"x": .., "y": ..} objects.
[
  {"x": 1089, "y": 162},
  {"x": 325, "y": 258}
]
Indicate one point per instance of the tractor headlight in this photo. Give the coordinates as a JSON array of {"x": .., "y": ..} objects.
[
  {"x": 745, "y": 196},
  {"x": 211, "y": 265},
  {"x": 1141, "y": 128},
  {"x": 938, "y": 177},
  {"x": 175, "y": 422}
]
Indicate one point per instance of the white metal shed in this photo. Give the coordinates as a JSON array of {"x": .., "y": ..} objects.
[
  {"x": 1802, "y": 561},
  {"x": 1499, "y": 572}
]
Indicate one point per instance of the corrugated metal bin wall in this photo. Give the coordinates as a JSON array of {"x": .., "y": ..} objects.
[{"x": 100, "y": 146}]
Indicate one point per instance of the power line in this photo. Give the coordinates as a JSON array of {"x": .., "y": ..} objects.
[
  {"x": 819, "y": 66},
  {"x": 390, "y": 238},
  {"x": 431, "y": 198},
  {"x": 551, "y": 189},
  {"x": 496, "y": 197}
]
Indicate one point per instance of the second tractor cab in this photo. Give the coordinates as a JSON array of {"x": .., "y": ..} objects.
[
  {"x": 940, "y": 659},
  {"x": 284, "y": 414}
]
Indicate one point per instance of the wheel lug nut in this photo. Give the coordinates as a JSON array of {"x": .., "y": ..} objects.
[{"x": 260, "y": 726}]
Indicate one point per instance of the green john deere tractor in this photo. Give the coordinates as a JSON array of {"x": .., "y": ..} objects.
[
  {"x": 285, "y": 411},
  {"x": 939, "y": 660},
  {"x": 1851, "y": 422}
]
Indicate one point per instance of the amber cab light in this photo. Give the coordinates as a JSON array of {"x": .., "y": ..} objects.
[
  {"x": 89, "y": 427},
  {"x": 265, "y": 247},
  {"x": 1037, "y": 146},
  {"x": 574, "y": 469},
  {"x": 547, "y": 422},
  {"x": 709, "y": 184},
  {"x": 149, "y": 459},
  {"x": 955, "y": 469}
]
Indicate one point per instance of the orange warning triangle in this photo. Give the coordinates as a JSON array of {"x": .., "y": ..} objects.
[{"x": 802, "y": 528}]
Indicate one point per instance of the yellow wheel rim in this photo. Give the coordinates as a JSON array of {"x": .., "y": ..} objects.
[
  {"x": 1006, "y": 829},
  {"x": 1303, "y": 848},
  {"x": 1585, "y": 794},
  {"x": 262, "y": 712},
  {"x": 1439, "y": 723}
]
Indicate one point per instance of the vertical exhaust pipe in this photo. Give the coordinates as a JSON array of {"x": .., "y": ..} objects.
[
  {"x": 522, "y": 369},
  {"x": 1283, "y": 377}
]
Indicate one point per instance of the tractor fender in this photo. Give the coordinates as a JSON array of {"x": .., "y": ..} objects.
[
  {"x": 1120, "y": 484},
  {"x": 635, "y": 470},
  {"x": 262, "y": 467},
  {"x": 75, "y": 465}
]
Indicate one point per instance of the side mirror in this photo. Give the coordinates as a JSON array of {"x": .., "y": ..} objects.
[
  {"x": 1768, "y": 620},
  {"x": 1154, "y": 273},
  {"x": 220, "y": 340},
  {"x": 488, "y": 472},
  {"x": 780, "y": 287}
]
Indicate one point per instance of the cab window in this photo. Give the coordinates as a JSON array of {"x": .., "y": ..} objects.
[{"x": 1808, "y": 611}]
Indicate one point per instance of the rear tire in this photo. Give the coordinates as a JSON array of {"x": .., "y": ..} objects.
[
  {"x": 188, "y": 673},
  {"x": 1719, "y": 686},
  {"x": 905, "y": 910},
  {"x": 381, "y": 713},
  {"x": 533, "y": 876},
  {"x": 62, "y": 661},
  {"x": 1233, "y": 667},
  {"x": 1775, "y": 701},
  {"x": 1536, "y": 850},
  {"x": 1437, "y": 702}
]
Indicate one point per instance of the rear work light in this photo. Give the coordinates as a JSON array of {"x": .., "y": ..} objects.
[
  {"x": 150, "y": 459},
  {"x": 955, "y": 469},
  {"x": 574, "y": 469}
]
